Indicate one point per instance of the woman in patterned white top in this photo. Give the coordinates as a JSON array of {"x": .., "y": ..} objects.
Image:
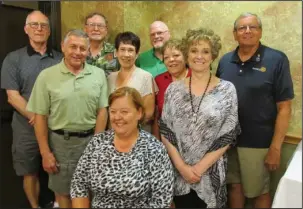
[
  {"x": 125, "y": 167},
  {"x": 199, "y": 123},
  {"x": 127, "y": 46}
]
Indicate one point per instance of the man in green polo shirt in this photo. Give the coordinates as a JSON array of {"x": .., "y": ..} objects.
[
  {"x": 152, "y": 60},
  {"x": 69, "y": 99},
  {"x": 101, "y": 53}
]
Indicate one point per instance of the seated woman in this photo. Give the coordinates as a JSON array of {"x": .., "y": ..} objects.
[
  {"x": 124, "y": 167},
  {"x": 127, "y": 46},
  {"x": 176, "y": 70},
  {"x": 199, "y": 123}
]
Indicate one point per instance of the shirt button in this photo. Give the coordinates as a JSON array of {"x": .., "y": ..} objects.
[
  {"x": 242, "y": 63},
  {"x": 240, "y": 71}
]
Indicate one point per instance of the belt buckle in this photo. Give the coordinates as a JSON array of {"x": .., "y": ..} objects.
[{"x": 66, "y": 135}]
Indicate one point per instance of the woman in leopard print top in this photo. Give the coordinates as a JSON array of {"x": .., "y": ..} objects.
[{"x": 124, "y": 167}]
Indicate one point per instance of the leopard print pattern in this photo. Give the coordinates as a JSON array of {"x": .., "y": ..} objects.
[{"x": 141, "y": 178}]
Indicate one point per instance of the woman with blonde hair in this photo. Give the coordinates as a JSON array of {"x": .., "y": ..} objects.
[{"x": 199, "y": 123}]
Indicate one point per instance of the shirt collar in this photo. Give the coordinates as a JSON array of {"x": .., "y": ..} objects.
[
  {"x": 31, "y": 51},
  {"x": 86, "y": 70},
  {"x": 257, "y": 56}
]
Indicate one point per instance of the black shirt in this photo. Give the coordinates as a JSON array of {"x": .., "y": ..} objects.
[{"x": 261, "y": 82}]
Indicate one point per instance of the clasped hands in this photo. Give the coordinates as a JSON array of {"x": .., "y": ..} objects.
[{"x": 191, "y": 174}]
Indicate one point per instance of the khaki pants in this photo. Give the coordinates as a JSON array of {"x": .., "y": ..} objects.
[
  {"x": 246, "y": 166},
  {"x": 67, "y": 154}
]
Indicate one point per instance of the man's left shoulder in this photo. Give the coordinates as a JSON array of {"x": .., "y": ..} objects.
[
  {"x": 56, "y": 54},
  {"x": 273, "y": 53},
  {"x": 108, "y": 47}
]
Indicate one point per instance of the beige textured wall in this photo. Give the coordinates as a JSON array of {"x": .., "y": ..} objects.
[{"x": 282, "y": 27}]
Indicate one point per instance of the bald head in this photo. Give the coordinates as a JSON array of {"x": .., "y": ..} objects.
[
  {"x": 159, "y": 34},
  {"x": 158, "y": 24},
  {"x": 36, "y": 14}
]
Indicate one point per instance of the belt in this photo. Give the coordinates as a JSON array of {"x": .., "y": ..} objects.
[{"x": 80, "y": 134}]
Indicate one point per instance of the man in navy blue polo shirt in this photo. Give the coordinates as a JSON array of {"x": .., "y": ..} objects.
[{"x": 262, "y": 78}]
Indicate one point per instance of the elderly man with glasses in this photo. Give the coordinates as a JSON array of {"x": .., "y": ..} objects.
[
  {"x": 19, "y": 71},
  {"x": 152, "y": 60},
  {"x": 101, "y": 53},
  {"x": 264, "y": 86}
]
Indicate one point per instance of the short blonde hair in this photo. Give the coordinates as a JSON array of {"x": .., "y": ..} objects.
[
  {"x": 133, "y": 94},
  {"x": 202, "y": 34}
]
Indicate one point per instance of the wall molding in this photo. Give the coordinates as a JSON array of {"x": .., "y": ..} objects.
[{"x": 292, "y": 139}]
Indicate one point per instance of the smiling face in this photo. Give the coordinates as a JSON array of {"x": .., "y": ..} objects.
[
  {"x": 174, "y": 61},
  {"x": 127, "y": 55},
  {"x": 248, "y": 31},
  {"x": 159, "y": 34},
  {"x": 75, "y": 50},
  {"x": 37, "y": 27},
  {"x": 124, "y": 117},
  {"x": 199, "y": 56},
  {"x": 96, "y": 28}
]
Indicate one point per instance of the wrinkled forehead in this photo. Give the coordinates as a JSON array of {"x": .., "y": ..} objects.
[
  {"x": 248, "y": 20},
  {"x": 96, "y": 19}
]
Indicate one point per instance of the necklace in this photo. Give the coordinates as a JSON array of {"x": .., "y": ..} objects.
[{"x": 191, "y": 98}]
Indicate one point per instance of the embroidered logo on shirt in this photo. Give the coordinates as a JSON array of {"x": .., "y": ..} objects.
[{"x": 262, "y": 69}]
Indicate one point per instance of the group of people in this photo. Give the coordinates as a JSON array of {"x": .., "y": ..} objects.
[{"x": 115, "y": 128}]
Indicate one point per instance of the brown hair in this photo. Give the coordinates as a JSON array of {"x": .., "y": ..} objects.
[
  {"x": 132, "y": 93},
  {"x": 173, "y": 44},
  {"x": 193, "y": 36}
]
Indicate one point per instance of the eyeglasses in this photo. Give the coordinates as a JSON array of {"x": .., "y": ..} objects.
[
  {"x": 159, "y": 33},
  {"x": 243, "y": 28},
  {"x": 93, "y": 25},
  {"x": 35, "y": 25}
]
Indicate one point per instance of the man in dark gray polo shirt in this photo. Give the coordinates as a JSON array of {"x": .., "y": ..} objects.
[
  {"x": 19, "y": 71},
  {"x": 264, "y": 86}
]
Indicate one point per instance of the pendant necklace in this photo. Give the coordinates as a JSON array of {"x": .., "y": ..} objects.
[{"x": 195, "y": 113}]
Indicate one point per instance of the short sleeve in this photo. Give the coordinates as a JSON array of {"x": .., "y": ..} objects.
[
  {"x": 162, "y": 180},
  {"x": 9, "y": 73},
  {"x": 283, "y": 85},
  {"x": 148, "y": 83},
  {"x": 39, "y": 101},
  {"x": 103, "y": 99},
  {"x": 80, "y": 180}
]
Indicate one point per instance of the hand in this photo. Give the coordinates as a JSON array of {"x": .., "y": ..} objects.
[
  {"x": 188, "y": 174},
  {"x": 49, "y": 163},
  {"x": 272, "y": 159},
  {"x": 32, "y": 119}
]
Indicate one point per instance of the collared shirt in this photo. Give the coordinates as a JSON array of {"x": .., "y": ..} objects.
[
  {"x": 71, "y": 101},
  {"x": 20, "y": 69},
  {"x": 163, "y": 80},
  {"x": 261, "y": 82},
  {"x": 150, "y": 63},
  {"x": 105, "y": 60}
]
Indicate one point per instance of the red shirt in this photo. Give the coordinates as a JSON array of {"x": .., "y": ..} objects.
[{"x": 163, "y": 80}]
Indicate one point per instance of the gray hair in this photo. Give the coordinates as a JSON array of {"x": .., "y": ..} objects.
[
  {"x": 247, "y": 14},
  {"x": 77, "y": 33}
]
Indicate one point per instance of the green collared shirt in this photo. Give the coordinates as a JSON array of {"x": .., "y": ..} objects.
[
  {"x": 70, "y": 101},
  {"x": 105, "y": 60},
  {"x": 150, "y": 63}
]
